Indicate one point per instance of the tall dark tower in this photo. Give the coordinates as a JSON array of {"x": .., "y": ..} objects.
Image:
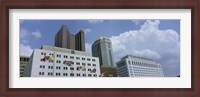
[
  {"x": 64, "y": 39},
  {"x": 80, "y": 41}
]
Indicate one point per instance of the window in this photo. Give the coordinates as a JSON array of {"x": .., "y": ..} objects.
[
  {"x": 58, "y": 55},
  {"x": 78, "y": 74},
  {"x": 44, "y": 53},
  {"x": 89, "y": 75},
  {"x": 57, "y": 74},
  {"x": 71, "y": 74},
  {"x": 93, "y": 59},
  {"x": 50, "y": 73},
  {"x": 89, "y": 64},
  {"x": 58, "y": 61},
  {"x": 65, "y": 56},
  {"x": 78, "y": 58},
  {"x": 64, "y": 68},
  {"x": 95, "y": 75},
  {"x": 93, "y": 64},
  {"x": 89, "y": 69},
  {"x": 51, "y": 61},
  {"x": 84, "y": 74},
  {"x": 64, "y": 74},
  {"x": 129, "y": 62},
  {"x": 71, "y": 68},
  {"x": 83, "y": 58},
  {"x": 41, "y": 73},
  {"x": 57, "y": 67},
  {"x": 88, "y": 59},
  {"x": 49, "y": 67},
  {"x": 71, "y": 57},
  {"x": 41, "y": 53},
  {"x": 77, "y": 63},
  {"x": 42, "y": 66}
]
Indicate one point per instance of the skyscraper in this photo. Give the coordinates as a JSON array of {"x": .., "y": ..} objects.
[
  {"x": 64, "y": 39},
  {"x": 102, "y": 48}
]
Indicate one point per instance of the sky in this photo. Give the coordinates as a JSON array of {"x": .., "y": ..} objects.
[{"x": 155, "y": 39}]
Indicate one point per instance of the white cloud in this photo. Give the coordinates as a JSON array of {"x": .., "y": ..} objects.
[
  {"x": 25, "y": 50},
  {"x": 95, "y": 21},
  {"x": 147, "y": 53},
  {"x": 136, "y": 22},
  {"x": 24, "y": 41},
  {"x": 151, "y": 42},
  {"x": 24, "y": 33},
  {"x": 88, "y": 48},
  {"x": 36, "y": 34},
  {"x": 87, "y": 30}
]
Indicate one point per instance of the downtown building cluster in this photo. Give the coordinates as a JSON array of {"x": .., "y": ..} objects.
[{"x": 69, "y": 59}]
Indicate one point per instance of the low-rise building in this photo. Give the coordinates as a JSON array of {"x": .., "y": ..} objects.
[
  {"x": 61, "y": 62},
  {"x": 108, "y": 71},
  {"x": 134, "y": 66},
  {"x": 23, "y": 63}
]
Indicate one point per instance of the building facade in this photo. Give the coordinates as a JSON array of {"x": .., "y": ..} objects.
[
  {"x": 133, "y": 66},
  {"x": 102, "y": 48},
  {"x": 23, "y": 63},
  {"x": 64, "y": 39},
  {"x": 60, "y": 62}
]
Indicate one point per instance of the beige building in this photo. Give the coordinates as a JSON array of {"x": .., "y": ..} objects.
[
  {"x": 23, "y": 63},
  {"x": 64, "y": 39},
  {"x": 108, "y": 71}
]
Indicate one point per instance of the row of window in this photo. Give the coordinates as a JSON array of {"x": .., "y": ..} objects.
[
  {"x": 145, "y": 70},
  {"x": 42, "y": 53},
  {"x": 71, "y": 57},
  {"x": 24, "y": 59},
  {"x": 77, "y": 63},
  {"x": 58, "y": 67},
  {"x": 66, "y": 74},
  {"x": 142, "y": 64},
  {"x": 146, "y": 75}
]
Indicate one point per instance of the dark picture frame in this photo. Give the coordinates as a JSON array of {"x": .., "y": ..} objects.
[{"x": 194, "y": 91}]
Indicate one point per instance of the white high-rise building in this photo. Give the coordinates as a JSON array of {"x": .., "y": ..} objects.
[
  {"x": 61, "y": 62},
  {"x": 133, "y": 66}
]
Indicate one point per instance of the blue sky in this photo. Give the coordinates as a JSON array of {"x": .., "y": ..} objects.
[{"x": 156, "y": 39}]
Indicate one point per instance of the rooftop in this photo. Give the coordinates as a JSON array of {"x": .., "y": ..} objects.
[
  {"x": 102, "y": 38},
  {"x": 127, "y": 56},
  {"x": 64, "y": 50}
]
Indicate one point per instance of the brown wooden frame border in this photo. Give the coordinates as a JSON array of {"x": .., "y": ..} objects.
[{"x": 99, "y": 4}]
